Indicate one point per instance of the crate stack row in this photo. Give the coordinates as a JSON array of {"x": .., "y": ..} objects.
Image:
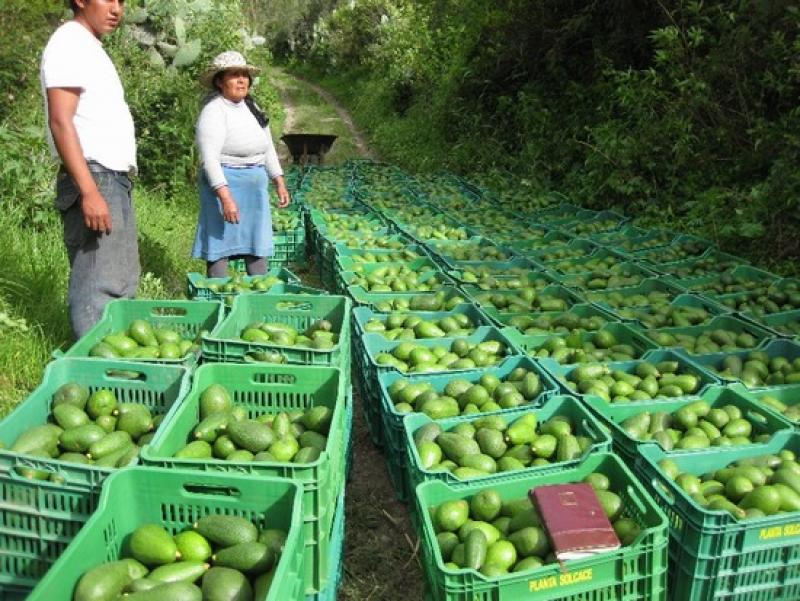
[
  {"x": 154, "y": 442},
  {"x": 651, "y": 334}
]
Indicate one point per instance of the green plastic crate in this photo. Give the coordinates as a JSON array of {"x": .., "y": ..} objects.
[
  {"x": 441, "y": 251},
  {"x": 297, "y": 310},
  {"x": 731, "y": 281},
  {"x": 634, "y": 573},
  {"x": 685, "y": 366},
  {"x": 518, "y": 268},
  {"x": 581, "y": 311},
  {"x": 361, "y": 315},
  {"x": 161, "y": 388},
  {"x": 636, "y": 315},
  {"x": 585, "y": 424},
  {"x": 615, "y": 237},
  {"x": 650, "y": 239},
  {"x": 335, "y": 557},
  {"x": 544, "y": 237},
  {"x": 188, "y": 318},
  {"x": 786, "y": 324},
  {"x": 358, "y": 293},
  {"x": 375, "y": 299},
  {"x": 628, "y": 448},
  {"x": 683, "y": 246},
  {"x": 774, "y": 348},
  {"x": 789, "y": 395},
  {"x": 571, "y": 267},
  {"x": 346, "y": 257},
  {"x": 630, "y": 269},
  {"x": 623, "y": 333},
  {"x": 713, "y": 556},
  {"x": 195, "y": 292},
  {"x": 394, "y": 431},
  {"x": 480, "y": 297},
  {"x": 709, "y": 266},
  {"x": 648, "y": 286},
  {"x": 176, "y": 499},
  {"x": 271, "y": 389},
  {"x": 576, "y": 248},
  {"x": 39, "y": 519},
  {"x": 726, "y": 322}
]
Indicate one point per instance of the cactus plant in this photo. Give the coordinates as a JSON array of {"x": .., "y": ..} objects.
[{"x": 187, "y": 54}]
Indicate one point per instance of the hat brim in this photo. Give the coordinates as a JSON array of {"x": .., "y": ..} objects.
[{"x": 208, "y": 76}]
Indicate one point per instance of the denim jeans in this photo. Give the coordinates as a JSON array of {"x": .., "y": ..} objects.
[{"x": 102, "y": 266}]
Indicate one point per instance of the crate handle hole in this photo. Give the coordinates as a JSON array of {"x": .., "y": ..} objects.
[
  {"x": 168, "y": 311},
  {"x": 125, "y": 374},
  {"x": 662, "y": 490},
  {"x": 294, "y": 306},
  {"x": 212, "y": 490},
  {"x": 274, "y": 378}
]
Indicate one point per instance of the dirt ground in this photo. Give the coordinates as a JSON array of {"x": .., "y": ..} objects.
[{"x": 382, "y": 556}]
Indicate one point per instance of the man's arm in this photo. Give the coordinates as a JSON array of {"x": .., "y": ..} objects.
[{"x": 62, "y": 104}]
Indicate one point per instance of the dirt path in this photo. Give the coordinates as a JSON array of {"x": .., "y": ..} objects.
[{"x": 293, "y": 121}]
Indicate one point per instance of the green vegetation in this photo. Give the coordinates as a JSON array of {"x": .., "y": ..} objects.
[
  {"x": 165, "y": 101},
  {"x": 679, "y": 112}
]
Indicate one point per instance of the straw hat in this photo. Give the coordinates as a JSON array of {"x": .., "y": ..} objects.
[{"x": 226, "y": 60}]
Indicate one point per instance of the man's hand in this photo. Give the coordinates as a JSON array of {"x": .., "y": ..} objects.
[{"x": 95, "y": 212}]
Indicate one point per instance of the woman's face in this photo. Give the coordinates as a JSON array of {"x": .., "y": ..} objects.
[{"x": 234, "y": 84}]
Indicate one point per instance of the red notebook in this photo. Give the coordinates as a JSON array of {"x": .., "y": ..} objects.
[{"x": 574, "y": 520}]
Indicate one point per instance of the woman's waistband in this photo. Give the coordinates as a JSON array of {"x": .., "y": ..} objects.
[{"x": 243, "y": 165}]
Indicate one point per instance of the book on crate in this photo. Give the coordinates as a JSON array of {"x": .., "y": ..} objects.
[{"x": 574, "y": 520}]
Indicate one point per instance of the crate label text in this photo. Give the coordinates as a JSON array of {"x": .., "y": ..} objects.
[
  {"x": 560, "y": 580},
  {"x": 779, "y": 531}
]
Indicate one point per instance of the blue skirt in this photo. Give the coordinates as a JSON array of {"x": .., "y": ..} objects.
[{"x": 216, "y": 238}]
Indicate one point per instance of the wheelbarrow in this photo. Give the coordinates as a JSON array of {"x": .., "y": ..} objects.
[{"x": 308, "y": 148}]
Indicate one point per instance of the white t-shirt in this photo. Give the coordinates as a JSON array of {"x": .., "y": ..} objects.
[
  {"x": 75, "y": 58},
  {"x": 228, "y": 133}
]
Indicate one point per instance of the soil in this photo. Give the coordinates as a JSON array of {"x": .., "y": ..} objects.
[{"x": 382, "y": 555}]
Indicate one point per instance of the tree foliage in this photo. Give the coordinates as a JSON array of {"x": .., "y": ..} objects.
[{"x": 677, "y": 108}]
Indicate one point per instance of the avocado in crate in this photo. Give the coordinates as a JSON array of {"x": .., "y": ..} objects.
[
  {"x": 474, "y": 280},
  {"x": 462, "y": 320},
  {"x": 185, "y": 535},
  {"x": 299, "y": 412},
  {"x": 659, "y": 374},
  {"x": 777, "y": 363},
  {"x": 777, "y": 296},
  {"x": 581, "y": 317},
  {"x": 511, "y": 385},
  {"x": 485, "y": 448},
  {"x": 485, "y": 347},
  {"x": 89, "y": 417},
  {"x": 733, "y": 517},
  {"x": 550, "y": 299},
  {"x": 784, "y": 400},
  {"x": 489, "y": 542},
  {"x": 445, "y": 298},
  {"x": 652, "y": 292},
  {"x": 612, "y": 342},
  {"x": 622, "y": 275},
  {"x": 681, "y": 248},
  {"x": 204, "y": 288},
  {"x": 163, "y": 331},
  {"x": 719, "y": 418},
  {"x": 682, "y": 311},
  {"x": 722, "y": 333},
  {"x": 495, "y": 274}
]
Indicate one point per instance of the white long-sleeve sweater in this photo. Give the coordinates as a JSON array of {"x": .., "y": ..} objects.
[{"x": 228, "y": 133}]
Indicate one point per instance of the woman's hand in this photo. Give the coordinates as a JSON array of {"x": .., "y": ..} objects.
[
  {"x": 230, "y": 211},
  {"x": 283, "y": 194}
]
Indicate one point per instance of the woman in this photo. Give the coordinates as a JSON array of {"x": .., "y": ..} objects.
[{"x": 237, "y": 155}]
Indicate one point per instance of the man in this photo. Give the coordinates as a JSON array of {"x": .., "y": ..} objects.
[{"x": 90, "y": 129}]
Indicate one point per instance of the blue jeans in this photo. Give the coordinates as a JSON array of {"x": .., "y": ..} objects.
[{"x": 102, "y": 266}]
